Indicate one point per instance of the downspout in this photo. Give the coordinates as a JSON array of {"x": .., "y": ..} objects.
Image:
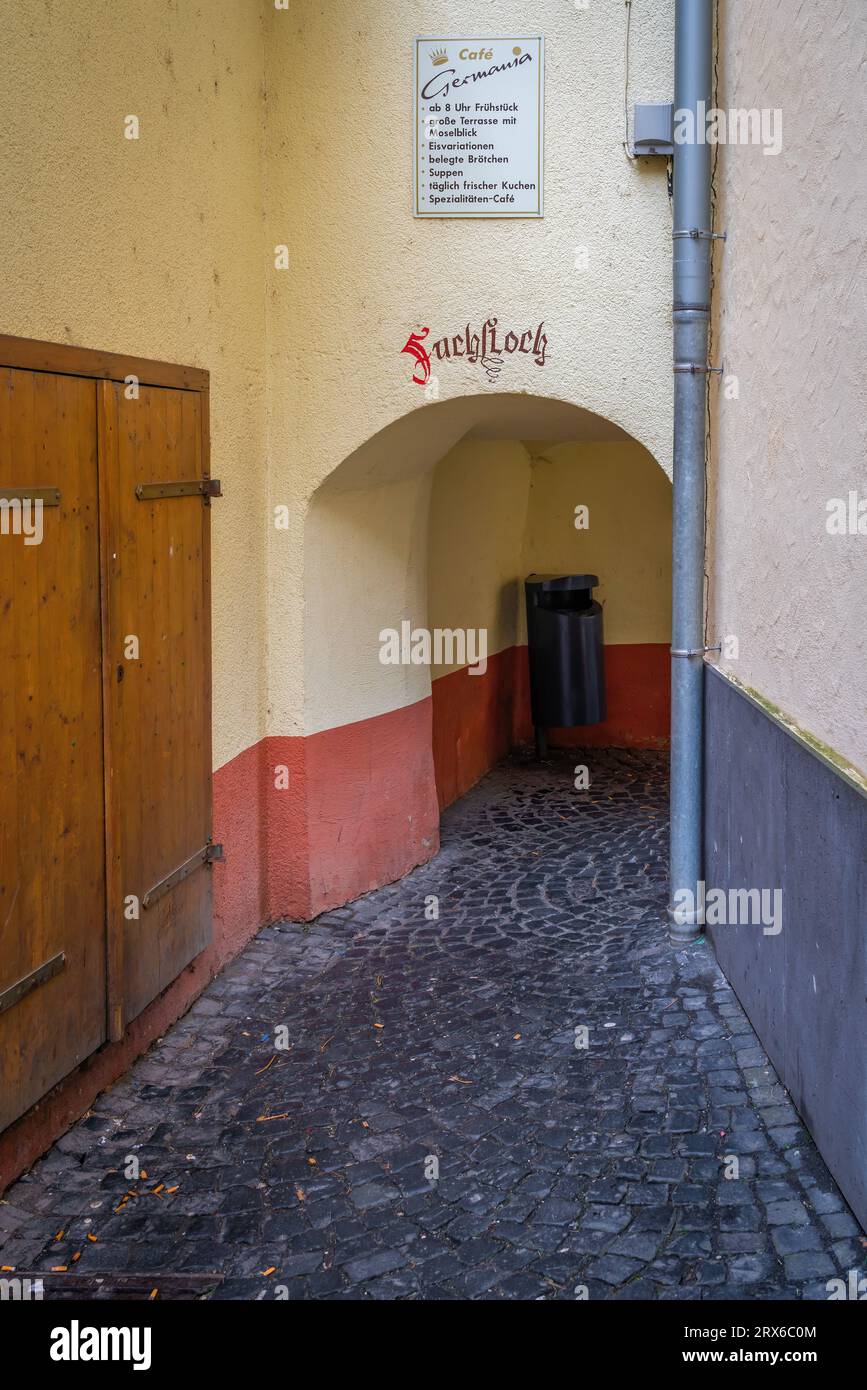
[{"x": 693, "y": 69}]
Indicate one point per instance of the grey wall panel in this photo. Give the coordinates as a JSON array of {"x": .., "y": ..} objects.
[{"x": 777, "y": 816}]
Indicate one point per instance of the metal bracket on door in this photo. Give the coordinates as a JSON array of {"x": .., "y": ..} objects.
[
  {"x": 16, "y": 992},
  {"x": 48, "y": 496},
  {"x": 203, "y": 487},
  {"x": 206, "y": 855}
]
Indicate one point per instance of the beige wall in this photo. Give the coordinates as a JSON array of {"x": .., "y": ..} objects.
[
  {"x": 152, "y": 247},
  {"x": 628, "y": 541},
  {"x": 791, "y": 325},
  {"x": 478, "y": 519},
  {"x": 364, "y": 274},
  {"x": 365, "y": 571},
  {"x": 263, "y": 127},
  {"x": 501, "y": 510}
]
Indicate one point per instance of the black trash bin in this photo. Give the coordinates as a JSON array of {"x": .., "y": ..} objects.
[{"x": 567, "y": 660}]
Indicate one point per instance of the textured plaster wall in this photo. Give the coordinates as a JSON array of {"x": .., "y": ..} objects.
[
  {"x": 152, "y": 247},
  {"x": 478, "y": 516},
  {"x": 364, "y": 274},
  {"x": 628, "y": 541},
  {"x": 366, "y": 571},
  {"x": 791, "y": 324},
  {"x": 449, "y": 547},
  {"x": 263, "y": 128},
  {"x": 501, "y": 510}
]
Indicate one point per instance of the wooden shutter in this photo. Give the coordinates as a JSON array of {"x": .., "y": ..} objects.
[
  {"x": 52, "y": 885},
  {"x": 153, "y": 461},
  {"x": 105, "y": 778}
]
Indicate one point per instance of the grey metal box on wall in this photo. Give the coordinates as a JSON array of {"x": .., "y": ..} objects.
[{"x": 653, "y": 128}]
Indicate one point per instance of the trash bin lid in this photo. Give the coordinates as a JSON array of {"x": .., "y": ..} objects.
[{"x": 550, "y": 583}]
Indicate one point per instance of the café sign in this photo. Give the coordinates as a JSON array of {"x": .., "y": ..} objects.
[{"x": 479, "y": 127}]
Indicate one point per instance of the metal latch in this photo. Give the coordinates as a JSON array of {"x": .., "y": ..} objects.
[
  {"x": 203, "y": 487},
  {"x": 48, "y": 496},
  {"x": 16, "y": 992},
  {"x": 206, "y": 855}
]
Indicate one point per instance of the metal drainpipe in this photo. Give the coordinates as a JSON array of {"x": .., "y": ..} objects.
[{"x": 693, "y": 69}]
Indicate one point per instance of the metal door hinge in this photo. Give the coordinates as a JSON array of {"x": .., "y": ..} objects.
[
  {"x": 16, "y": 992},
  {"x": 202, "y": 487},
  {"x": 206, "y": 855}
]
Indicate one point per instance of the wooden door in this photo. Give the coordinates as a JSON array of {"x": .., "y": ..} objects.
[
  {"x": 153, "y": 458},
  {"x": 52, "y": 864}
]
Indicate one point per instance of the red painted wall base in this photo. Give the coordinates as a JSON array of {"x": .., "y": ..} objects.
[
  {"x": 474, "y": 722},
  {"x": 638, "y": 695},
  {"x": 359, "y": 811},
  {"x": 477, "y": 719}
]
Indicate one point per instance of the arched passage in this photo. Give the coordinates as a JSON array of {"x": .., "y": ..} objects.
[{"x": 433, "y": 524}]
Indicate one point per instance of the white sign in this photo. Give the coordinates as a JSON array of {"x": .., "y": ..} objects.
[{"x": 479, "y": 126}]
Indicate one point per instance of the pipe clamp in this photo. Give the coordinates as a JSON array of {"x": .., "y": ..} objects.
[{"x": 698, "y": 234}]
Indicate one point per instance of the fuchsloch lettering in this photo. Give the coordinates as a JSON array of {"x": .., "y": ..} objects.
[{"x": 488, "y": 343}]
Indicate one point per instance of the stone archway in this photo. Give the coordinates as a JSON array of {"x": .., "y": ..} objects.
[{"x": 385, "y": 745}]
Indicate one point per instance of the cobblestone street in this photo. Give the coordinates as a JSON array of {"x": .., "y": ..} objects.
[{"x": 306, "y": 1171}]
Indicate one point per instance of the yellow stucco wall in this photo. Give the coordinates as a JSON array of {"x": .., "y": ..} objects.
[
  {"x": 450, "y": 545},
  {"x": 627, "y": 542},
  {"x": 365, "y": 571},
  {"x": 261, "y": 128},
  {"x": 501, "y": 510},
  {"x": 478, "y": 517},
  {"x": 152, "y": 247},
  {"x": 365, "y": 274}
]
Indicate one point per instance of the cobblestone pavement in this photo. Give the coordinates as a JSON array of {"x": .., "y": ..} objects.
[{"x": 455, "y": 1039}]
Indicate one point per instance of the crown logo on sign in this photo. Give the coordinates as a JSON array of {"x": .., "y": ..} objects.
[{"x": 438, "y": 57}]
